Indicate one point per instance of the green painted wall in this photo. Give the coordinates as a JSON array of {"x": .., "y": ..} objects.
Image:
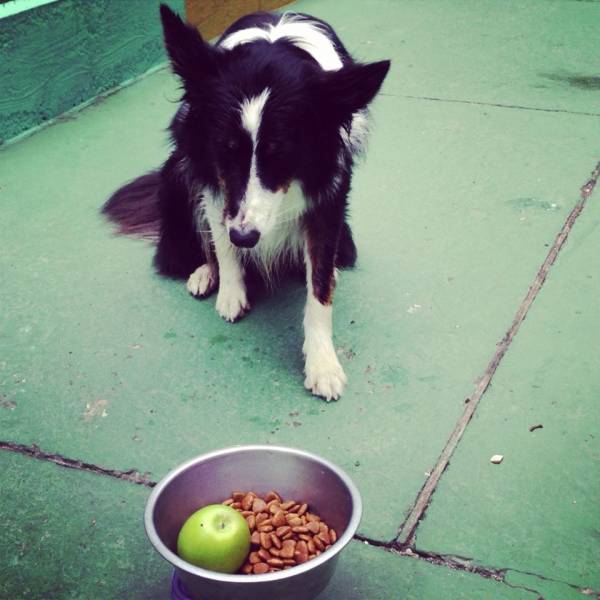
[{"x": 59, "y": 55}]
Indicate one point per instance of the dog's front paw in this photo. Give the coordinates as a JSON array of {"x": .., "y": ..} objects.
[
  {"x": 232, "y": 303},
  {"x": 325, "y": 377},
  {"x": 202, "y": 281}
]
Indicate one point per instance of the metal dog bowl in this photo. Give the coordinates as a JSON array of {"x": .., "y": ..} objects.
[{"x": 212, "y": 477}]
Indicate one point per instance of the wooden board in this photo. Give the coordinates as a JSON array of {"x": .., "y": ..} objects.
[{"x": 212, "y": 17}]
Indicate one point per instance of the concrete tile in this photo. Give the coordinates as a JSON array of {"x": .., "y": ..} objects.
[
  {"x": 536, "y": 54},
  {"x": 70, "y": 535},
  {"x": 538, "y": 511}
]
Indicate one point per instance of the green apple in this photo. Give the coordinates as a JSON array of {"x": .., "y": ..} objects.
[{"x": 216, "y": 537}]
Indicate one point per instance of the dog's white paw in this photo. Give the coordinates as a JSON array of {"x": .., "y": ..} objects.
[
  {"x": 202, "y": 281},
  {"x": 325, "y": 377},
  {"x": 232, "y": 303}
]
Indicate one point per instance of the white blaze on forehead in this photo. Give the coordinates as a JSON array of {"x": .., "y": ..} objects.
[
  {"x": 258, "y": 205},
  {"x": 305, "y": 34},
  {"x": 252, "y": 110}
]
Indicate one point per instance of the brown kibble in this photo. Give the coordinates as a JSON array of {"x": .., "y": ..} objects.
[
  {"x": 301, "y": 552},
  {"x": 300, "y": 529},
  {"x": 259, "y": 505},
  {"x": 278, "y": 519},
  {"x": 313, "y": 527},
  {"x": 283, "y": 530},
  {"x": 263, "y": 555},
  {"x": 324, "y": 536},
  {"x": 274, "y": 507},
  {"x": 260, "y": 568},
  {"x": 275, "y": 562},
  {"x": 283, "y": 534},
  {"x": 288, "y": 549},
  {"x": 273, "y": 495},
  {"x": 247, "y": 501},
  {"x": 319, "y": 545},
  {"x": 265, "y": 540},
  {"x": 260, "y": 517}
]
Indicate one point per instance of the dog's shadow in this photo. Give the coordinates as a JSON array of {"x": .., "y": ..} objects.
[{"x": 274, "y": 325}]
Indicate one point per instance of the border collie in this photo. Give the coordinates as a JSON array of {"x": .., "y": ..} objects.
[{"x": 271, "y": 120}]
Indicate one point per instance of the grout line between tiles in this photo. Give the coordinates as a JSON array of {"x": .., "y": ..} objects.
[
  {"x": 35, "y": 451},
  {"x": 406, "y": 532},
  {"x": 493, "y": 104}
]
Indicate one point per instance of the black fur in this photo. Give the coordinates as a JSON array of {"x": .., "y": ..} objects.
[{"x": 271, "y": 120}]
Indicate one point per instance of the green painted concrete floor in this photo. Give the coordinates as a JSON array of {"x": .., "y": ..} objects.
[{"x": 480, "y": 298}]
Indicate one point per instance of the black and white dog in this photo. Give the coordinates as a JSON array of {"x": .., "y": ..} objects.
[{"x": 271, "y": 120}]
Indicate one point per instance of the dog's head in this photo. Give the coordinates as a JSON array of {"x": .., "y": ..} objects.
[{"x": 257, "y": 120}]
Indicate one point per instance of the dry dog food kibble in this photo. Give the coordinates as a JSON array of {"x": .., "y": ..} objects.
[{"x": 283, "y": 534}]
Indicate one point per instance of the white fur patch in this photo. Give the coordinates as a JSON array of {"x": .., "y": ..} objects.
[
  {"x": 232, "y": 302},
  {"x": 252, "y": 109},
  {"x": 355, "y": 140},
  {"x": 203, "y": 280},
  {"x": 305, "y": 34},
  {"x": 273, "y": 214},
  {"x": 324, "y": 374}
]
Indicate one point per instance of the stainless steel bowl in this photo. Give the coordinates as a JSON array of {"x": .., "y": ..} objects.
[{"x": 210, "y": 478}]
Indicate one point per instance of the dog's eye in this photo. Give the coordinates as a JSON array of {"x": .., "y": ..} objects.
[{"x": 232, "y": 144}]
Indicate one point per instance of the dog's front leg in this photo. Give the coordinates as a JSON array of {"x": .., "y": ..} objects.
[
  {"x": 232, "y": 303},
  {"x": 324, "y": 374}
]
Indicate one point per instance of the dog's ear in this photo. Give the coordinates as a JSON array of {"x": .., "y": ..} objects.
[
  {"x": 191, "y": 57},
  {"x": 352, "y": 87}
]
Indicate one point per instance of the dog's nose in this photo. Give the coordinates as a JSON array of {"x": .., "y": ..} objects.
[{"x": 244, "y": 239}]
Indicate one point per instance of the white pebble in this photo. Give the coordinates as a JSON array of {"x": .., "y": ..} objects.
[{"x": 497, "y": 459}]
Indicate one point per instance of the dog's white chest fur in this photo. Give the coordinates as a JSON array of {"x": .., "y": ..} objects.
[{"x": 284, "y": 244}]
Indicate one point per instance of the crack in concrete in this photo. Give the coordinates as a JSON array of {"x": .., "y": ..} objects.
[
  {"x": 588, "y": 187},
  {"x": 34, "y": 451},
  {"x": 493, "y": 104},
  {"x": 407, "y": 530},
  {"x": 450, "y": 561},
  {"x": 469, "y": 565}
]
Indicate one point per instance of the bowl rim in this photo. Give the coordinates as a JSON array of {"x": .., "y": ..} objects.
[{"x": 183, "y": 565}]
